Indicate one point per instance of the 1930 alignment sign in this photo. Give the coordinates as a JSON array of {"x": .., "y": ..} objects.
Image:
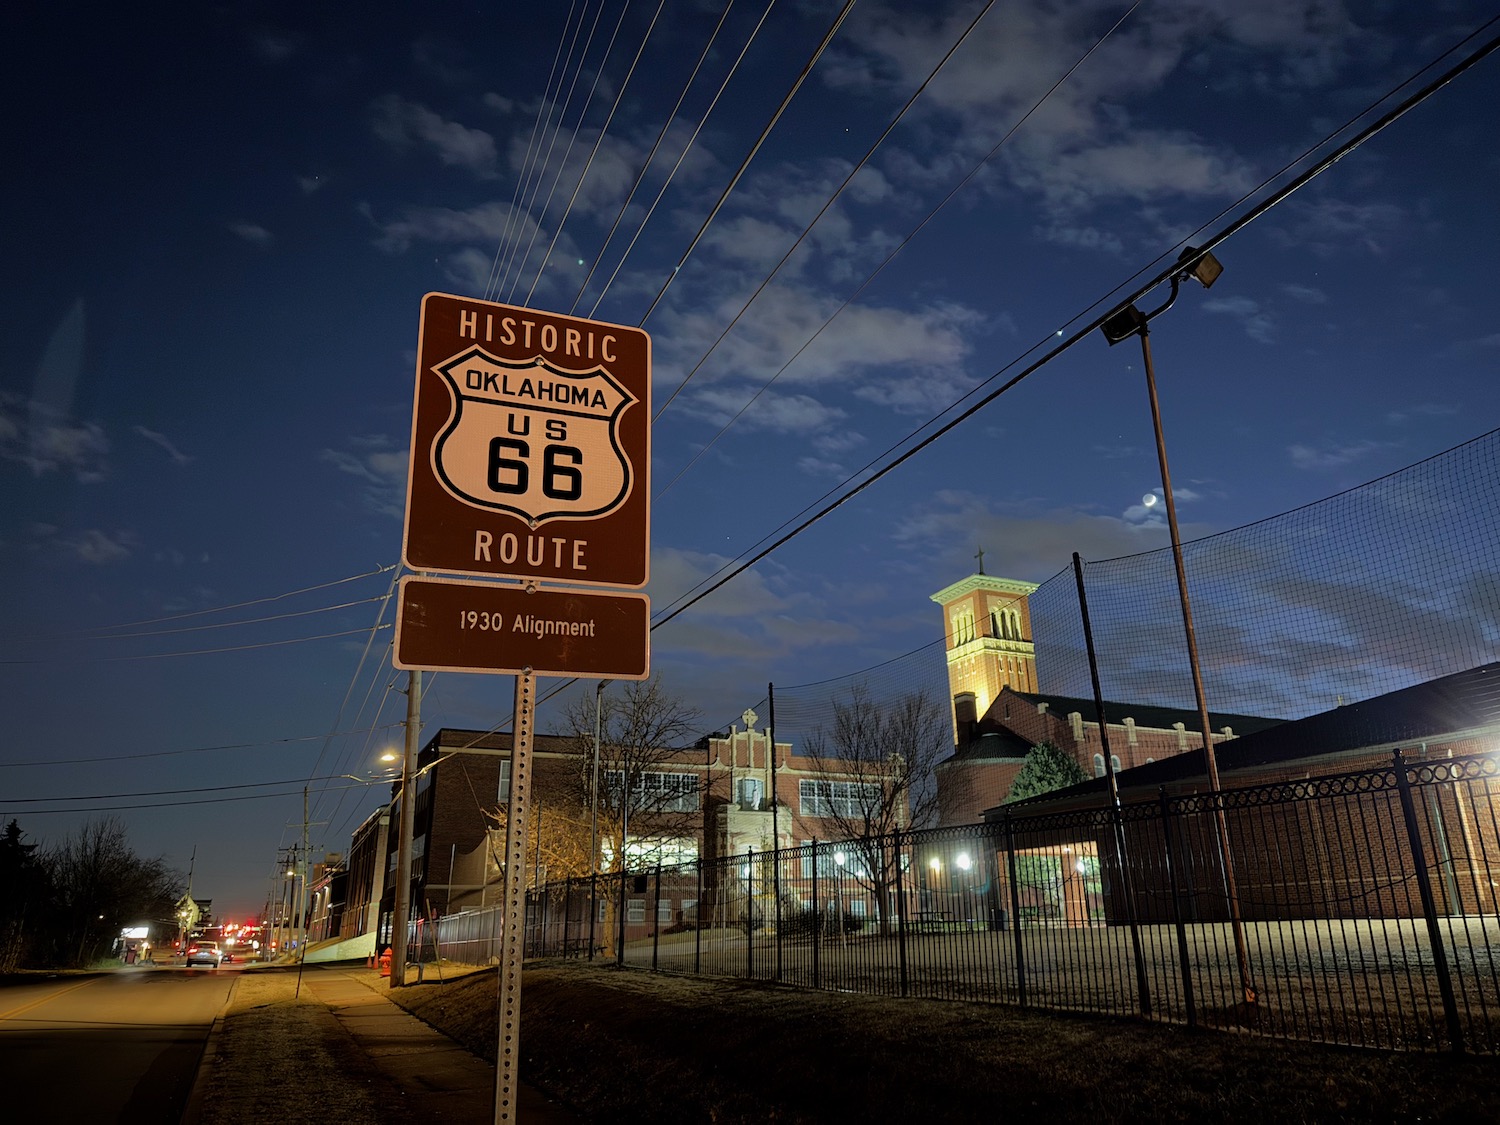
[{"x": 530, "y": 450}]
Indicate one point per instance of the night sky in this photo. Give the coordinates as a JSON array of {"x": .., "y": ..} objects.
[{"x": 221, "y": 221}]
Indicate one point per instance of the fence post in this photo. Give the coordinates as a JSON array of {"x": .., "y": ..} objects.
[
  {"x": 620, "y": 943},
  {"x": 593, "y": 908},
  {"x": 1184, "y": 967},
  {"x": 1127, "y": 893},
  {"x": 656, "y": 924},
  {"x": 817, "y": 919},
  {"x": 776, "y": 900},
  {"x": 750, "y": 914},
  {"x": 900, "y": 912},
  {"x": 1429, "y": 908},
  {"x": 1015, "y": 911},
  {"x": 698, "y": 921}
]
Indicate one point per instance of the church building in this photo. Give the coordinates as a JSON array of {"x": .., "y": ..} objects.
[{"x": 1001, "y": 710}]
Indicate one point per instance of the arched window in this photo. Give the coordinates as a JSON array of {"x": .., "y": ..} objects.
[
  {"x": 963, "y": 627},
  {"x": 1099, "y": 765},
  {"x": 1114, "y": 760}
]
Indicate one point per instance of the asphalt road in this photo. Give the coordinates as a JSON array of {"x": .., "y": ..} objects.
[{"x": 119, "y": 1046}]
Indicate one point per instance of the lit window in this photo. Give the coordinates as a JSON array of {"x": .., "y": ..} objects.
[
  {"x": 655, "y": 792},
  {"x": 849, "y": 799}
]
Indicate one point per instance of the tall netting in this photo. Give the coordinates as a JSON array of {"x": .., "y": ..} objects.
[{"x": 1378, "y": 588}]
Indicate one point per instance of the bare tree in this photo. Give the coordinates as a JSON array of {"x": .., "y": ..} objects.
[
  {"x": 642, "y": 791},
  {"x": 877, "y": 765},
  {"x": 557, "y": 841},
  {"x": 99, "y": 884}
]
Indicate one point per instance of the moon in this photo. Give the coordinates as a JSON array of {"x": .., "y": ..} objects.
[{"x": 1149, "y": 500}]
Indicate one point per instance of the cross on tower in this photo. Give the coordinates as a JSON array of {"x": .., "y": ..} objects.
[{"x": 980, "y": 557}]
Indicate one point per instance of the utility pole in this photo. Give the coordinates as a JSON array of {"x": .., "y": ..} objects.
[
  {"x": 402, "y": 904},
  {"x": 302, "y": 899}
]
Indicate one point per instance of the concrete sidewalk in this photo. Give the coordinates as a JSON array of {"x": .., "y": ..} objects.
[{"x": 339, "y": 1049}]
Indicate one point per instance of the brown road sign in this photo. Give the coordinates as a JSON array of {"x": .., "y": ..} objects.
[
  {"x": 447, "y": 625},
  {"x": 530, "y": 446}
]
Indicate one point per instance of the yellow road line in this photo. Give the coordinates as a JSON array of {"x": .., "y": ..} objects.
[{"x": 42, "y": 1000}]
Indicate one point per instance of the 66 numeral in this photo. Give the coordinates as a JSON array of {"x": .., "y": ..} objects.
[{"x": 510, "y": 469}]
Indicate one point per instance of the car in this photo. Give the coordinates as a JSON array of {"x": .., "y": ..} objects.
[{"x": 204, "y": 953}]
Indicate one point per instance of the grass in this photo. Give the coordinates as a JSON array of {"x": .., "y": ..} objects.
[{"x": 628, "y": 1045}]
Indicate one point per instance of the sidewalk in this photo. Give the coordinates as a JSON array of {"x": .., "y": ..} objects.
[{"x": 340, "y": 1050}]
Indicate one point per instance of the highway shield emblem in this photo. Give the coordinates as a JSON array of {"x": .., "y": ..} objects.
[{"x": 531, "y": 438}]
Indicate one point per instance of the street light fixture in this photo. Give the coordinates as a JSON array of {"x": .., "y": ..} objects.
[{"x": 1204, "y": 268}]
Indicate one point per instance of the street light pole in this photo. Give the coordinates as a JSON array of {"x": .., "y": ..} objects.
[
  {"x": 1130, "y": 321},
  {"x": 401, "y": 907}
]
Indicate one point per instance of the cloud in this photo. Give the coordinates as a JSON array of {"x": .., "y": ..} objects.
[
  {"x": 1256, "y": 322},
  {"x": 274, "y": 45},
  {"x": 790, "y": 414},
  {"x": 252, "y": 233},
  {"x": 1140, "y": 165},
  {"x": 749, "y": 618},
  {"x": 403, "y": 124},
  {"x": 1328, "y": 226},
  {"x": 484, "y": 224},
  {"x": 1333, "y": 455},
  {"x": 908, "y": 359},
  {"x": 177, "y": 456},
  {"x": 1306, "y": 294},
  {"x": 95, "y": 547},
  {"x": 1027, "y": 542},
  {"x": 311, "y": 184},
  {"x": 1420, "y": 410},
  {"x": 34, "y": 435},
  {"x": 382, "y": 469}
]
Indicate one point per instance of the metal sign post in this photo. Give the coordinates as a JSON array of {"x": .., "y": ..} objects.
[
  {"x": 530, "y": 461},
  {"x": 513, "y": 936}
]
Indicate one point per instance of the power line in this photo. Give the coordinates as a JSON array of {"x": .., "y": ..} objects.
[
  {"x": 661, "y": 136},
  {"x": 189, "y": 750},
  {"x": 749, "y": 156},
  {"x": 194, "y": 652},
  {"x": 170, "y": 804},
  {"x": 204, "y": 612},
  {"x": 829, "y": 202},
  {"x": 520, "y": 262},
  {"x": 1165, "y": 275},
  {"x": 598, "y": 143},
  {"x": 180, "y": 792},
  {"x": 681, "y": 156},
  {"x": 895, "y": 250},
  {"x": 542, "y": 105}
]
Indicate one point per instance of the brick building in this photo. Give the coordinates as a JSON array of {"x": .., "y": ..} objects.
[
  {"x": 1314, "y": 813},
  {"x": 707, "y": 801},
  {"x": 992, "y": 749},
  {"x": 1000, "y": 710}
]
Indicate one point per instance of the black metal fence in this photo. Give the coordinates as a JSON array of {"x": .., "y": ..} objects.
[{"x": 1367, "y": 911}]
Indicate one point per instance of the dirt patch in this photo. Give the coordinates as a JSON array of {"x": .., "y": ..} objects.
[{"x": 627, "y": 1045}]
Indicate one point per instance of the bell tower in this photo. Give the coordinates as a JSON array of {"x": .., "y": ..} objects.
[{"x": 987, "y": 622}]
